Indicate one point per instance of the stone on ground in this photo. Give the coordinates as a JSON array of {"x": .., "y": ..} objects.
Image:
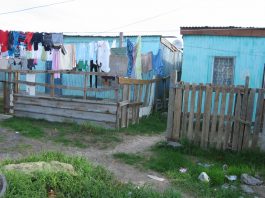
[{"x": 250, "y": 180}]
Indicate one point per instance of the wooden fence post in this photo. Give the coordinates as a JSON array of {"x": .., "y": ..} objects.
[
  {"x": 85, "y": 86},
  {"x": 171, "y": 102},
  {"x": 124, "y": 109},
  {"x": 206, "y": 117},
  {"x": 262, "y": 137},
  {"x": 243, "y": 114},
  {"x": 52, "y": 85}
]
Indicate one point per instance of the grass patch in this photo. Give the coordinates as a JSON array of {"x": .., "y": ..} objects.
[
  {"x": 25, "y": 126},
  {"x": 154, "y": 124},
  {"x": 83, "y": 135},
  {"x": 90, "y": 181},
  {"x": 168, "y": 161},
  {"x": 69, "y": 134}
]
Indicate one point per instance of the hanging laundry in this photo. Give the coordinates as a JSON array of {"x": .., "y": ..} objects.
[
  {"x": 82, "y": 52},
  {"x": 31, "y": 64},
  {"x": 16, "y": 38},
  {"x": 10, "y": 41},
  {"x": 28, "y": 40},
  {"x": 146, "y": 60},
  {"x": 114, "y": 42},
  {"x": 157, "y": 62},
  {"x": 22, "y": 51},
  {"x": 43, "y": 54},
  {"x": 29, "y": 88},
  {"x": 4, "y": 63},
  {"x": 55, "y": 62},
  {"x": 93, "y": 49},
  {"x": 137, "y": 58},
  {"x": 4, "y": 40},
  {"x": 36, "y": 39},
  {"x": 66, "y": 61},
  {"x": 21, "y": 37},
  {"x": 82, "y": 65},
  {"x": 47, "y": 41},
  {"x": 94, "y": 68},
  {"x": 103, "y": 55},
  {"x": 57, "y": 40},
  {"x": 130, "y": 57},
  {"x": 49, "y": 55}
]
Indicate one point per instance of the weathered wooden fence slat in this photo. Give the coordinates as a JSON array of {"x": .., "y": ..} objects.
[{"x": 185, "y": 110}]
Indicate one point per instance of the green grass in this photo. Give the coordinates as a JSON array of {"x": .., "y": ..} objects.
[
  {"x": 90, "y": 181},
  {"x": 154, "y": 124},
  {"x": 83, "y": 135},
  {"x": 168, "y": 161},
  {"x": 69, "y": 134}
]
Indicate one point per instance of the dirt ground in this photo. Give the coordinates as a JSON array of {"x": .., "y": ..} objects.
[{"x": 14, "y": 146}]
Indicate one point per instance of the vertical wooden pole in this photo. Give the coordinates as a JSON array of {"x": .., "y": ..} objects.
[
  {"x": 5, "y": 93},
  {"x": 124, "y": 109},
  {"x": 52, "y": 84},
  {"x": 243, "y": 114},
  {"x": 16, "y": 83},
  {"x": 121, "y": 39},
  {"x": 171, "y": 103},
  {"x": 164, "y": 94},
  {"x": 85, "y": 86}
]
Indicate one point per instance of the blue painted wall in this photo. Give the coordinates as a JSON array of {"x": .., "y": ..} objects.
[{"x": 199, "y": 53}]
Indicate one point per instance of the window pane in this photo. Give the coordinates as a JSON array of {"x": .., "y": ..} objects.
[{"x": 223, "y": 71}]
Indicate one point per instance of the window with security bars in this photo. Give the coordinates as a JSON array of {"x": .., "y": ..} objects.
[{"x": 223, "y": 71}]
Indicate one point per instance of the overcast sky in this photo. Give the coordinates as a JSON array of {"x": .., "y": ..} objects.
[{"x": 132, "y": 17}]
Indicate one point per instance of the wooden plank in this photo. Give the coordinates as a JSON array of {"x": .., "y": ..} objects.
[
  {"x": 170, "y": 114},
  {"x": 190, "y": 134},
  {"x": 53, "y": 118},
  {"x": 52, "y": 85},
  {"x": 258, "y": 118},
  {"x": 132, "y": 81},
  {"x": 213, "y": 133},
  {"x": 185, "y": 110},
  {"x": 94, "y": 116},
  {"x": 105, "y": 102},
  {"x": 99, "y": 108},
  {"x": 177, "y": 114},
  {"x": 243, "y": 114},
  {"x": 171, "y": 103},
  {"x": 198, "y": 116},
  {"x": 228, "y": 128},
  {"x": 125, "y": 96},
  {"x": 220, "y": 133},
  {"x": 235, "y": 136},
  {"x": 206, "y": 118},
  {"x": 146, "y": 96},
  {"x": 16, "y": 84},
  {"x": 85, "y": 86},
  {"x": 250, "y": 105}
]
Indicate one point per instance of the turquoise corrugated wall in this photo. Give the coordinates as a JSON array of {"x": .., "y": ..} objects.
[{"x": 199, "y": 53}]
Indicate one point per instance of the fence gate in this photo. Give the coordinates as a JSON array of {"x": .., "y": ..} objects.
[{"x": 221, "y": 117}]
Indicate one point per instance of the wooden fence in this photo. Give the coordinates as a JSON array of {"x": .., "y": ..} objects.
[
  {"x": 221, "y": 117},
  {"x": 129, "y": 96}
]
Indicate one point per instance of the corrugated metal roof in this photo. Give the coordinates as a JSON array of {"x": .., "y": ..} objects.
[
  {"x": 224, "y": 31},
  {"x": 221, "y": 27}
]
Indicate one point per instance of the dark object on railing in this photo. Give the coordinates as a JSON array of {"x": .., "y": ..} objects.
[{"x": 3, "y": 185}]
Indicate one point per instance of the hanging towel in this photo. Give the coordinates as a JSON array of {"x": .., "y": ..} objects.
[
  {"x": 4, "y": 40},
  {"x": 55, "y": 62},
  {"x": 157, "y": 62},
  {"x": 146, "y": 60},
  {"x": 66, "y": 61},
  {"x": 103, "y": 55},
  {"x": 137, "y": 54},
  {"x": 28, "y": 40},
  {"x": 130, "y": 57}
]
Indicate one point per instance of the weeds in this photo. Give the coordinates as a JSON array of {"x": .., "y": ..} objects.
[{"x": 90, "y": 181}]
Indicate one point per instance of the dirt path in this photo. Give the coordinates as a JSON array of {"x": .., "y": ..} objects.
[{"x": 13, "y": 145}]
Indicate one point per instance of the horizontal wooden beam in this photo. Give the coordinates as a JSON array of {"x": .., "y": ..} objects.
[{"x": 131, "y": 81}]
